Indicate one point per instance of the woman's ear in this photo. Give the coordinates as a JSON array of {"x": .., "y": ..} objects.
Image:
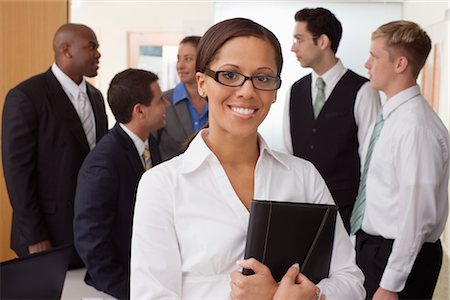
[{"x": 201, "y": 84}]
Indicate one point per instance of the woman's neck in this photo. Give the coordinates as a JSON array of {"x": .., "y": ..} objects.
[{"x": 233, "y": 150}]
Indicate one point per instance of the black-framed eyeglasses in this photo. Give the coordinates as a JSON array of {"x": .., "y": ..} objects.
[{"x": 235, "y": 79}]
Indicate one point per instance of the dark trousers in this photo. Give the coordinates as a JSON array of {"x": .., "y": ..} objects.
[{"x": 372, "y": 254}]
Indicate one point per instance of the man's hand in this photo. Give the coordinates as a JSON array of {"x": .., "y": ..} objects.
[
  {"x": 382, "y": 294},
  {"x": 39, "y": 247},
  {"x": 294, "y": 285},
  {"x": 260, "y": 285}
]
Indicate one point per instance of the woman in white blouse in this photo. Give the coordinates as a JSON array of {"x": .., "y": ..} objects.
[{"x": 191, "y": 213}]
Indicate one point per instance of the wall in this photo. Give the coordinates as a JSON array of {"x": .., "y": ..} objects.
[
  {"x": 112, "y": 20},
  {"x": 26, "y": 34},
  {"x": 436, "y": 23},
  {"x": 358, "y": 21}
]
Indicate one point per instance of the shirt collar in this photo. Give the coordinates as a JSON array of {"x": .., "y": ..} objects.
[
  {"x": 179, "y": 93},
  {"x": 140, "y": 144},
  {"x": 331, "y": 75},
  {"x": 398, "y": 99},
  {"x": 67, "y": 83},
  {"x": 198, "y": 152}
]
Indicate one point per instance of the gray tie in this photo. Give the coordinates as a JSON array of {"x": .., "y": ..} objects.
[
  {"x": 360, "y": 203},
  {"x": 320, "y": 97},
  {"x": 86, "y": 118}
]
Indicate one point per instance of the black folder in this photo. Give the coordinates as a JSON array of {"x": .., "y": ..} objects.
[
  {"x": 283, "y": 233},
  {"x": 36, "y": 276}
]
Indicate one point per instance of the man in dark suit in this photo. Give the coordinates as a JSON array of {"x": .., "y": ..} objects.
[
  {"x": 326, "y": 125},
  {"x": 50, "y": 123},
  {"x": 109, "y": 176}
]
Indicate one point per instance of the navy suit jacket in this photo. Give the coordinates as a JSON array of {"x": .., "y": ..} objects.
[
  {"x": 104, "y": 203},
  {"x": 43, "y": 147}
]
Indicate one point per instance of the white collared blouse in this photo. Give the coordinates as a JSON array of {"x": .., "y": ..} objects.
[{"x": 190, "y": 227}]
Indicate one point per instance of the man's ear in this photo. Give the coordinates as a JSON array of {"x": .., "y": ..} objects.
[
  {"x": 65, "y": 50},
  {"x": 137, "y": 112},
  {"x": 323, "y": 41},
  {"x": 401, "y": 64}
]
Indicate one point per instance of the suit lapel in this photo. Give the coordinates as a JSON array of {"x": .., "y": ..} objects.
[
  {"x": 97, "y": 107},
  {"x": 309, "y": 92},
  {"x": 183, "y": 115},
  {"x": 154, "y": 150},
  {"x": 130, "y": 149},
  {"x": 64, "y": 110}
]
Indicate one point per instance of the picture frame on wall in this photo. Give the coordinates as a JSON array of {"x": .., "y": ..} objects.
[{"x": 155, "y": 52}]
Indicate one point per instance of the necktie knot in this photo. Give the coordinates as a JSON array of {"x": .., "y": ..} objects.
[
  {"x": 82, "y": 96},
  {"x": 82, "y": 93},
  {"x": 319, "y": 102},
  {"x": 320, "y": 84},
  {"x": 147, "y": 158}
]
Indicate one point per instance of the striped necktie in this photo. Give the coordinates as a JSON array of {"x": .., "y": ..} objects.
[
  {"x": 147, "y": 158},
  {"x": 86, "y": 118},
  {"x": 360, "y": 203},
  {"x": 320, "y": 97}
]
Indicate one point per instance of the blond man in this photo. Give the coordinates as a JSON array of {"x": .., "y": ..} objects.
[{"x": 402, "y": 204}]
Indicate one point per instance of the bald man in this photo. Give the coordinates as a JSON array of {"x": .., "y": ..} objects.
[{"x": 50, "y": 122}]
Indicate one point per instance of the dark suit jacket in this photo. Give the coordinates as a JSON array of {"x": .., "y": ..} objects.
[
  {"x": 104, "y": 203},
  {"x": 43, "y": 147},
  {"x": 178, "y": 128}
]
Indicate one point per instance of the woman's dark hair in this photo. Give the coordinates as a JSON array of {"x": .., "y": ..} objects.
[
  {"x": 216, "y": 36},
  {"x": 191, "y": 39}
]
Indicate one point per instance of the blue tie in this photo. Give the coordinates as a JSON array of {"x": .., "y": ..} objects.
[{"x": 360, "y": 204}]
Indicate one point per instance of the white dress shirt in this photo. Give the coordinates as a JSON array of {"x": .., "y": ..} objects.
[
  {"x": 72, "y": 91},
  {"x": 367, "y": 104},
  {"x": 190, "y": 227},
  {"x": 407, "y": 182}
]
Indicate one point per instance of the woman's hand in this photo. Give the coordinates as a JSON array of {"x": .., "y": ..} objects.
[
  {"x": 260, "y": 285},
  {"x": 295, "y": 286}
]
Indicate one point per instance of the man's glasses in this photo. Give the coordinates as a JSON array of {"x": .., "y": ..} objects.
[{"x": 235, "y": 79}]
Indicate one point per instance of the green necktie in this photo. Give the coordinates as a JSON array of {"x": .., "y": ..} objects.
[
  {"x": 320, "y": 97},
  {"x": 360, "y": 203}
]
